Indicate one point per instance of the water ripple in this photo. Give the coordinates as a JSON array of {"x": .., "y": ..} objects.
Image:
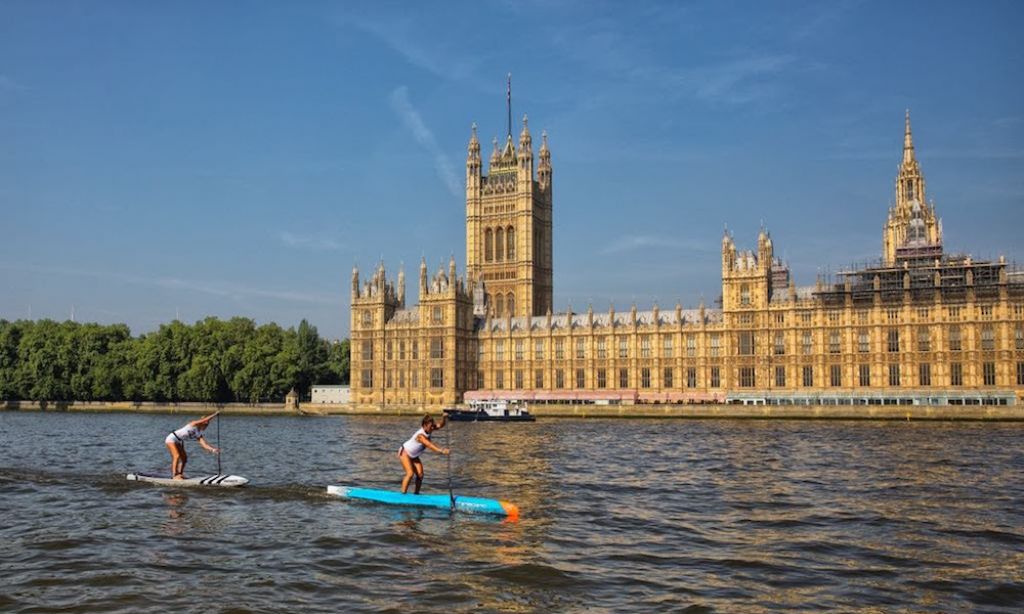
[{"x": 618, "y": 516}]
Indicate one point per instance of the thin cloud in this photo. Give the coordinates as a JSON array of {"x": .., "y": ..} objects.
[
  {"x": 741, "y": 79},
  {"x": 309, "y": 242},
  {"x": 738, "y": 81},
  {"x": 214, "y": 288},
  {"x": 399, "y": 100},
  {"x": 403, "y": 37},
  {"x": 631, "y": 243}
]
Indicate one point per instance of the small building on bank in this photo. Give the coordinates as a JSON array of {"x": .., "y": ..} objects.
[{"x": 330, "y": 394}]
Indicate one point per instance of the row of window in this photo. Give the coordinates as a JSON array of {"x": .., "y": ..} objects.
[
  {"x": 747, "y": 377},
  {"x": 436, "y": 378},
  {"x": 436, "y": 349},
  {"x": 954, "y": 341},
  {"x": 503, "y": 304},
  {"x": 602, "y": 378},
  {"x": 745, "y": 344},
  {"x": 954, "y": 313},
  {"x": 499, "y": 244}
]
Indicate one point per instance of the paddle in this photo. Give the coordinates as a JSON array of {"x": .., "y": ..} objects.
[
  {"x": 218, "y": 444},
  {"x": 448, "y": 442}
]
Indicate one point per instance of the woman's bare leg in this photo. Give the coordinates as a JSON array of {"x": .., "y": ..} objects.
[
  {"x": 173, "y": 448},
  {"x": 407, "y": 465},
  {"x": 417, "y": 464},
  {"x": 175, "y": 459},
  {"x": 182, "y": 459}
]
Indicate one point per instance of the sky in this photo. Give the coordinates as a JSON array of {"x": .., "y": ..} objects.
[{"x": 193, "y": 159}]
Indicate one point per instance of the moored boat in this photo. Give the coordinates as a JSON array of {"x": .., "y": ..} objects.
[{"x": 491, "y": 411}]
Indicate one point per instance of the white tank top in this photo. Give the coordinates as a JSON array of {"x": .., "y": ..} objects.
[
  {"x": 413, "y": 448},
  {"x": 188, "y": 431}
]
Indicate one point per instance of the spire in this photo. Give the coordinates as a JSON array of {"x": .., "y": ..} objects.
[
  {"x": 423, "y": 276},
  {"x": 401, "y": 284},
  {"x": 908, "y": 141},
  {"x": 525, "y": 155},
  {"x": 509, "y": 104},
  {"x": 544, "y": 169},
  {"x": 495, "y": 155},
  {"x": 525, "y": 141},
  {"x": 474, "y": 145}
]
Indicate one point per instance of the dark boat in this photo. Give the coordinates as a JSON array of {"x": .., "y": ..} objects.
[{"x": 491, "y": 411}]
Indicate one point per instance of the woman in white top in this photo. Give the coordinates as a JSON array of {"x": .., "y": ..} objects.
[
  {"x": 175, "y": 442},
  {"x": 410, "y": 451}
]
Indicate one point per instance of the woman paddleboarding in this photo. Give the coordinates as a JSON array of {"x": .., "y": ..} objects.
[
  {"x": 411, "y": 450},
  {"x": 175, "y": 442}
]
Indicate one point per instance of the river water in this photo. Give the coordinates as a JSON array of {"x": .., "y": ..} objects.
[{"x": 617, "y": 516}]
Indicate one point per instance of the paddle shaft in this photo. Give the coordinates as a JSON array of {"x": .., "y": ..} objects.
[
  {"x": 448, "y": 442},
  {"x": 218, "y": 444}
]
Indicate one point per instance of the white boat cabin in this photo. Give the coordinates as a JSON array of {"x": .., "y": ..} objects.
[{"x": 499, "y": 408}]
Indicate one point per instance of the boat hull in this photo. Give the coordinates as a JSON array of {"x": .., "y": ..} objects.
[
  {"x": 458, "y": 415},
  {"x": 223, "y": 481},
  {"x": 474, "y": 505}
]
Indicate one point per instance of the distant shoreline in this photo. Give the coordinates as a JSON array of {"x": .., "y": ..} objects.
[{"x": 949, "y": 413}]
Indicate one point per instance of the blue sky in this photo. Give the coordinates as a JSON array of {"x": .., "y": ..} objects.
[{"x": 162, "y": 160}]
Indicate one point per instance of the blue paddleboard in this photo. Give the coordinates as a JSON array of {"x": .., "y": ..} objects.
[{"x": 476, "y": 505}]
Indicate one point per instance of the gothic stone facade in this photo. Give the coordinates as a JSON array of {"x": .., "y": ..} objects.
[{"x": 921, "y": 326}]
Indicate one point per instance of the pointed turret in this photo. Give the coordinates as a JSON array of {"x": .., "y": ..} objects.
[
  {"x": 451, "y": 269},
  {"x": 495, "y": 153},
  {"x": 912, "y": 221},
  {"x": 764, "y": 249},
  {"x": 401, "y": 285},
  {"x": 423, "y": 277},
  {"x": 473, "y": 166},
  {"x": 355, "y": 281},
  {"x": 473, "y": 150},
  {"x": 525, "y": 141},
  {"x": 544, "y": 168},
  {"x": 728, "y": 251},
  {"x": 525, "y": 156}
]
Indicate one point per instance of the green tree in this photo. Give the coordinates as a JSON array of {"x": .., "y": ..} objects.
[{"x": 338, "y": 362}]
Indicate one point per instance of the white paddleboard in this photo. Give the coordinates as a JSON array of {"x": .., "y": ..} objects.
[{"x": 203, "y": 480}]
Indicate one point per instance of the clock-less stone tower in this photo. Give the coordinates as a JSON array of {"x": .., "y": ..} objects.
[{"x": 508, "y": 226}]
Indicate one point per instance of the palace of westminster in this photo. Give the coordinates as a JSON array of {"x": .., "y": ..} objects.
[{"x": 919, "y": 327}]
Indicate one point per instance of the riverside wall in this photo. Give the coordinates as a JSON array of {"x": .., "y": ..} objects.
[
  {"x": 197, "y": 409},
  {"x": 1001, "y": 413},
  {"x": 995, "y": 413}
]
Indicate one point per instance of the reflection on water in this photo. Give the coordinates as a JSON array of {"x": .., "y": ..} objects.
[{"x": 617, "y": 516}]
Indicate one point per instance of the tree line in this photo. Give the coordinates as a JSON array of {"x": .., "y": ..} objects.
[{"x": 212, "y": 360}]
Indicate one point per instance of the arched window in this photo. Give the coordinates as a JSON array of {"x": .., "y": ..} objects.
[
  {"x": 499, "y": 306},
  {"x": 499, "y": 244},
  {"x": 510, "y": 241},
  {"x": 488, "y": 245},
  {"x": 511, "y": 304}
]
